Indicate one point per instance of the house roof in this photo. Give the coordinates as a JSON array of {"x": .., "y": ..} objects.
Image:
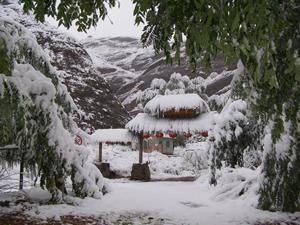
[
  {"x": 144, "y": 122},
  {"x": 163, "y": 103},
  {"x": 112, "y": 135}
]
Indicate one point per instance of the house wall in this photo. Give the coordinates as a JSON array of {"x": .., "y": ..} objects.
[
  {"x": 181, "y": 113},
  {"x": 163, "y": 145}
]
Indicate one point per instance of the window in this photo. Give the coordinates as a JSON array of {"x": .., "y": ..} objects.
[{"x": 168, "y": 144}]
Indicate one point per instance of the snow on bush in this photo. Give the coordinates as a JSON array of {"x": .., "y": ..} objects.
[
  {"x": 252, "y": 158},
  {"x": 217, "y": 102},
  {"x": 227, "y": 123},
  {"x": 280, "y": 173},
  {"x": 36, "y": 114},
  {"x": 177, "y": 84},
  {"x": 195, "y": 154},
  {"x": 228, "y": 140},
  {"x": 188, "y": 161},
  {"x": 236, "y": 183}
]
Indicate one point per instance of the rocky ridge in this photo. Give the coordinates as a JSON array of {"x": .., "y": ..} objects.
[
  {"x": 130, "y": 68},
  {"x": 91, "y": 93}
]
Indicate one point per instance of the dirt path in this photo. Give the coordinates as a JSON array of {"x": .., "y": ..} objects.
[{"x": 134, "y": 219}]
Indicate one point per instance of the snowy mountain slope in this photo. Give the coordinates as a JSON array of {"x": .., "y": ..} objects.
[
  {"x": 129, "y": 68},
  {"x": 91, "y": 93},
  {"x": 89, "y": 90},
  {"x": 120, "y": 60}
]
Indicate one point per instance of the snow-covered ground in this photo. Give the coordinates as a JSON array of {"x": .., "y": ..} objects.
[
  {"x": 233, "y": 201},
  {"x": 186, "y": 161},
  {"x": 171, "y": 202}
]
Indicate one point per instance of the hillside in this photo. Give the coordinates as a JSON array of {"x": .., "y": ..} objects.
[
  {"x": 92, "y": 94},
  {"x": 129, "y": 68},
  {"x": 104, "y": 75}
]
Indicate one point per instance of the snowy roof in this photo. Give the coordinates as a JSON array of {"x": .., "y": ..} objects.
[
  {"x": 162, "y": 103},
  {"x": 112, "y": 135},
  {"x": 143, "y": 122}
]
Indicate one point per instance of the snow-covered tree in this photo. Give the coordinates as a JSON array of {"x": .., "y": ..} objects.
[
  {"x": 234, "y": 139},
  {"x": 228, "y": 137},
  {"x": 36, "y": 115},
  {"x": 266, "y": 37},
  {"x": 177, "y": 84}
]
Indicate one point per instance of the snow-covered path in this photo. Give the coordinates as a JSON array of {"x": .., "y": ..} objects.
[
  {"x": 186, "y": 203},
  {"x": 176, "y": 202}
]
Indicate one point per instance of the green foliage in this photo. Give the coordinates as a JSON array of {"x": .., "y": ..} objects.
[
  {"x": 11, "y": 121},
  {"x": 84, "y": 13},
  {"x": 27, "y": 126},
  {"x": 281, "y": 169},
  {"x": 25, "y": 121},
  {"x": 5, "y": 62},
  {"x": 78, "y": 187},
  {"x": 265, "y": 35}
]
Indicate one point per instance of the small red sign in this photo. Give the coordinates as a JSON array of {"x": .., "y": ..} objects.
[{"x": 78, "y": 140}]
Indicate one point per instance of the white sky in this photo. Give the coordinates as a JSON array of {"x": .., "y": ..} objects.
[{"x": 122, "y": 24}]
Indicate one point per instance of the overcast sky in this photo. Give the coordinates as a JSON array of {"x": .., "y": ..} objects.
[{"x": 122, "y": 24}]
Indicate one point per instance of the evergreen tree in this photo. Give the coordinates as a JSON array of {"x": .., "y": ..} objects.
[
  {"x": 36, "y": 115},
  {"x": 265, "y": 35}
]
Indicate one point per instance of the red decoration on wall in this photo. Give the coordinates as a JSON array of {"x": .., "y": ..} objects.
[
  {"x": 146, "y": 135},
  {"x": 172, "y": 134},
  {"x": 204, "y": 133},
  {"x": 159, "y": 135}
]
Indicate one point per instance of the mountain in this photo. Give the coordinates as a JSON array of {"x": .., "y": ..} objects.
[
  {"x": 103, "y": 75},
  {"x": 91, "y": 93},
  {"x": 87, "y": 87},
  {"x": 130, "y": 68}
]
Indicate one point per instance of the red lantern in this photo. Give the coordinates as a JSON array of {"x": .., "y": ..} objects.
[
  {"x": 129, "y": 143},
  {"x": 146, "y": 135},
  {"x": 204, "y": 133},
  {"x": 173, "y": 135},
  {"x": 159, "y": 135},
  {"x": 188, "y": 135},
  {"x": 108, "y": 142}
]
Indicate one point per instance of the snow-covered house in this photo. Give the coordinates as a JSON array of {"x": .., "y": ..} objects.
[
  {"x": 167, "y": 116},
  {"x": 176, "y": 106},
  {"x": 113, "y": 136},
  {"x": 110, "y": 137}
]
